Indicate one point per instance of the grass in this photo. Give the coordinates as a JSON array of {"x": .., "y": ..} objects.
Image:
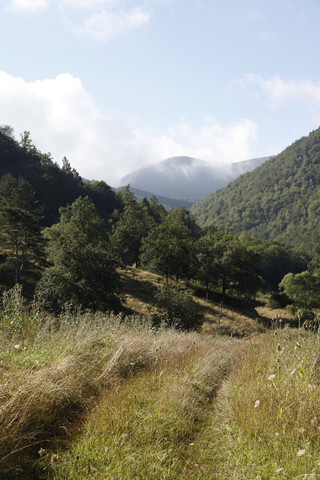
[
  {"x": 139, "y": 289},
  {"x": 63, "y": 380},
  {"x": 266, "y": 422},
  {"x": 145, "y": 428},
  {"x": 89, "y": 396}
]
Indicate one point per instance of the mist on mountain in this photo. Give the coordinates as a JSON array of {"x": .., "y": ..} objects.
[{"x": 187, "y": 177}]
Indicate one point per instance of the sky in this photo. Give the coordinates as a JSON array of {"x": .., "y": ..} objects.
[{"x": 115, "y": 85}]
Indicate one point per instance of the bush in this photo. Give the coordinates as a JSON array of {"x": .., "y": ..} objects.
[
  {"x": 279, "y": 300},
  {"x": 177, "y": 308}
]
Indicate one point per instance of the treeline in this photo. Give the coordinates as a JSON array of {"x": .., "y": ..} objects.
[{"x": 72, "y": 261}]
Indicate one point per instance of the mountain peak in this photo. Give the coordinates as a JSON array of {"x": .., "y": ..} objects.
[{"x": 184, "y": 176}]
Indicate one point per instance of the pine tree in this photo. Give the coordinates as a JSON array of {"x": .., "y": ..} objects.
[{"x": 20, "y": 236}]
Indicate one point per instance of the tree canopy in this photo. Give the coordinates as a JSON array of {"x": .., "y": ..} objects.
[
  {"x": 54, "y": 186},
  {"x": 168, "y": 249},
  {"x": 82, "y": 272}
]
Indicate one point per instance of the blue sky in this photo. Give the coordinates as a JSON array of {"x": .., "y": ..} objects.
[{"x": 117, "y": 84}]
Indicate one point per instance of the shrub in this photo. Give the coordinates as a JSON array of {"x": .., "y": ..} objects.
[
  {"x": 177, "y": 308},
  {"x": 279, "y": 300}
]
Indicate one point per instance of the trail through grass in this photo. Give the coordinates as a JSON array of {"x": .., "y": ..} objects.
[{"x": 146, "y": 428}]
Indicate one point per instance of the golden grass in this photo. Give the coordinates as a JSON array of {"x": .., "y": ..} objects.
[
  {"x": 146, "y": 428},
  {"x": 95, "y": 396},
  {"x": 266, "y": 421},
  {"x": 139, "y": 289},
  {"x": 58, "y": 377}
]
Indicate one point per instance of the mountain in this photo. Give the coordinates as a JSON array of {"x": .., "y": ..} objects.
[
  {"x": 186, "y": 176},
  {"x": 279, "y": 200}
]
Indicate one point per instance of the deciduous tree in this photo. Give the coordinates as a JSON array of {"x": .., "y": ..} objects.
[{"x": 83, "y": 273}]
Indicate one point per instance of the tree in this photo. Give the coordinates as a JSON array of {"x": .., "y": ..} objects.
[
  {"x": 155, "y": 209},
  {"x": 20, "y": 236},
  {"x": 82, "y": 272},
  {"x": 205, "y": 251},
  {"x": 225, "y": 262},
  {"x": 168, "y": 249},
  {"x": 274, "y": 259},
  {"x": 303, "y": 289},
  {"x": 132, "y": 226}
]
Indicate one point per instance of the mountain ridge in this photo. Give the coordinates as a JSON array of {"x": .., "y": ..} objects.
[
  {"x": 186, "y": 177},
  {"x": 279, "y": 200}
]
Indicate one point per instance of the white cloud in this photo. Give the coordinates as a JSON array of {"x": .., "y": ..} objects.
[
  {"x": 107, "y": 24},
  {"x": 29, "y": 6},
  {"x": 64, "y": 120},
  {"x": 279, "y": 90},
  {"x": 98, "y": 19}
]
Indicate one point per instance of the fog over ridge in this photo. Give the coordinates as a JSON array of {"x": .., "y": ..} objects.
[{"x": 184, "y": 176}]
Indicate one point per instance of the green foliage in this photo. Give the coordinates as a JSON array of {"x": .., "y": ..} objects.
[
  {"x": 168, "y": 249},
  {"x": 279, "y": 200},
  {"x": 274, "y": 259},
  {"x": 20, "y": 237},
  {"x": 178, "y": 308},
  {"x": 225, "y": 262},
  {"x": 82, "y": 272},
  {"x": 155, "y": 209},
  {"x": 278, "y": 300},
  {"x": 12, "y": 311},
  {"x": 303, "y": 289},
  {"x": 129, "y": 231}
]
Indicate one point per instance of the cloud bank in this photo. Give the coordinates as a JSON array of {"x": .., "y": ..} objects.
[{"x": 64, "y": 120}]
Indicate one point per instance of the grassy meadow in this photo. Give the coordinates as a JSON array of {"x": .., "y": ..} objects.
[{"x": 87, "y": 396}]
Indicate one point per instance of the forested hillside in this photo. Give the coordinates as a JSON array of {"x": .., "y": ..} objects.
[
  {"x": 279, "y": 200},
  {"x": 54, "y": 187}
]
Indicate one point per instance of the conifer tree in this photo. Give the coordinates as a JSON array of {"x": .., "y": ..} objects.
[{"x": 20, "y": 236}]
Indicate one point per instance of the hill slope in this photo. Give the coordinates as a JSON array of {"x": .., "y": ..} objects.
[
  {"x": 54, "y": 186},
  {"x": 278, "y": 200},
  {"x": 187, "y": 177}
]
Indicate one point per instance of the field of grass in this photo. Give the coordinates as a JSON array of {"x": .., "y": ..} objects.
[{"x": 108, "y": 397}]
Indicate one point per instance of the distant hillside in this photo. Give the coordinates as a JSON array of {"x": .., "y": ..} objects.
[
  {"x": 278, "y": 200},
  {"x": 186, "y": 177},
  {"x": 167, "y": 202}
]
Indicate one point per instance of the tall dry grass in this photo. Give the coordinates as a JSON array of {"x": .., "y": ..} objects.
[
  {"x": 55, "y": 375},
  {"x": 144, "y": 429},
  {"x": 266, "y": 423}
]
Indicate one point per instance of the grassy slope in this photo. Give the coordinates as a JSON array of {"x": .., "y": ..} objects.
[
  {"x": 140, "y": 286},
  {"x": 107, "y": 398}
]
